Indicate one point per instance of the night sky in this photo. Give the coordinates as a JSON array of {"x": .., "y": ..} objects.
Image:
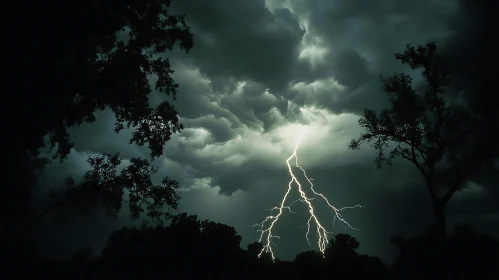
[{"x": 258, "y": 73}]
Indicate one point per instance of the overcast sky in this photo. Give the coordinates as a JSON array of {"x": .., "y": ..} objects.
[{"x": 261, "y": 71}]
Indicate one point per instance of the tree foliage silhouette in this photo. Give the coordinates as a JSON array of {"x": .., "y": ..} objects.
[
  {"x": 426, "y": 127},
  {"x": 471, "y": 255},
  {"x": 81, "y": 65},
  {"x": 309, "y": 264},
  {"x": 185, "y": 243},
  {"x": 190, "y": 248},
  {"x": 95, "y": 69},
  {"x": 339, "y": 260},
  {"x": 103, "y": 186}
]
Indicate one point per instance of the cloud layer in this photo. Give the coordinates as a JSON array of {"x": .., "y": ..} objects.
[{"x": 262, "y": 71}]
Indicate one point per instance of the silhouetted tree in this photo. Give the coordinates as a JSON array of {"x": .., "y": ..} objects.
[
  {"x": 190, "y": 248},
  {"x": 219, "y": 240},
  {"x": 310, "y": 264},
  {"x": 251, "y": 266},
  {"x": 342, "y": 245},
  {"x": 103, "y": 186},
  {"x": 136, "y": 252},
  {"x": 219, "y": 248},
  {"x": 426, "y": 127},
  {"x": 340, "y": 253},
  {"x": 254, "y": 249},
  {"x": 471, "y": 255},
  {"x": 309, "y": 258},
  {"x": 187, "y": 243},
  {"x": 95, "y": 69},
  {"x": 84, "y": 255},
  {"x": 342, "y": 260},
  {"x": 89, "y": 56}
]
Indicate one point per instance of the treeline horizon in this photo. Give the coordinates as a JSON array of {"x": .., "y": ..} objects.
[{"x": 190, "y": 248}]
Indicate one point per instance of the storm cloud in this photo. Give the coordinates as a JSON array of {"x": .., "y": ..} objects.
[{"x": 261, "y": 71}]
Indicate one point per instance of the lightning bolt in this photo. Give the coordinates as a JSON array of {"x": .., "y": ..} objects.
[{"x": 266, "y": 226}]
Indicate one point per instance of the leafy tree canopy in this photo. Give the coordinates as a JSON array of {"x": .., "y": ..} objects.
[
  {"x": 94, "y": 69},
  {"x": 428, "y": 126},
  {"x": 185, "y": 235},
  {"x": 103, "y": 186},
  {"x": 72, "y": 63}
]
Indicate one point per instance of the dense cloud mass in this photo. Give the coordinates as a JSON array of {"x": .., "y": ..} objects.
[{"x": 261, "y": 70}]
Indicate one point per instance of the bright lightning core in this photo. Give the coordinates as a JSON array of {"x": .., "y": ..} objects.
[{"x": 268, "y": 223}]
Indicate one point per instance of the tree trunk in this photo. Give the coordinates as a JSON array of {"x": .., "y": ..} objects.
[
  {"x": 439, "y": 213},
  {"x": 441, "y": 249}
]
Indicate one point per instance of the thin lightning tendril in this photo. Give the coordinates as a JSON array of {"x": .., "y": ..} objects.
[{"x": 266, "y": 232}]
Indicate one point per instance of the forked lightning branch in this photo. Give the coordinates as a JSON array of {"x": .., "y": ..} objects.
[{"x": 266, "y": 227}]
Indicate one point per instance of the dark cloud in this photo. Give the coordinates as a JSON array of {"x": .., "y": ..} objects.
[
  {"x": 252, "y": 103},
  {"x": 195, "y": 95},
  {"x": 357, "y": 86},
  {"x": 352, "y": 70},
  {"x": 472, "y": 49},
  {"x": 220, "y": 129},
  {"x": 225, "y": 169},
  {"x": 242, "y": 39},
  {"x": 230, "y": 170},
  {"x": 99, "y": 137},
  {"x": 361, "y": 38},
  {"x": 378, "y": 28}
]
